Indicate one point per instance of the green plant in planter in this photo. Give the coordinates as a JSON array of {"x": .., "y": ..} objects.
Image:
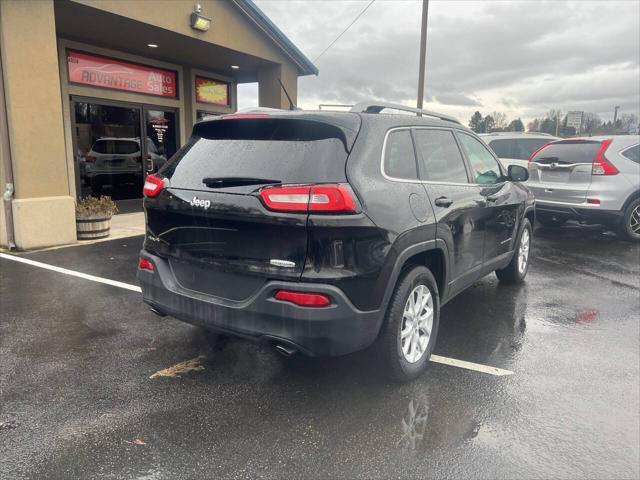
[{"x": 95, "y": 207}]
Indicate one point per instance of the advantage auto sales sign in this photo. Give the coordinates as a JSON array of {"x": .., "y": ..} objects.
[{"x": 87, "y": 69}]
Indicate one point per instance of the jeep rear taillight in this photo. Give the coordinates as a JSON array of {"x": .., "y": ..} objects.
[
  {"x": 601, "y": 165},
  {"x": 315, "y": 198},
  {"x": 144, "y": 264},
  {"x": 153, "y": 185}
]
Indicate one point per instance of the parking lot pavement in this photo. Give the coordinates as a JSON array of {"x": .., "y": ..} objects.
[{"x": 77, "y": 400}]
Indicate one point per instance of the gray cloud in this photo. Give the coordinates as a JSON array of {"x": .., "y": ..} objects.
[{"x": 520, "y": 57}]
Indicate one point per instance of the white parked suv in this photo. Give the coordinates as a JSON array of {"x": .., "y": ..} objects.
[
  {"x": 593, "y": 179},
  {"x": 117, "y": 160},
  {"x": 515, "y": 148}
]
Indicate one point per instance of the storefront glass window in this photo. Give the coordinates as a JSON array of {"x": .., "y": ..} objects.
[{"x": 108, "y": 151}]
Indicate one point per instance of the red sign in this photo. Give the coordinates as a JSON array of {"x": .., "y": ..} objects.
[
  {"x": 212, "y": 91},
  {"x": 105, "y": 72}
]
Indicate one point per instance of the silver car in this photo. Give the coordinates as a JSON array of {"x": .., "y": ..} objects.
[
  {"x": 515, "y": 148},
  {"x": 594, "y": 179}
]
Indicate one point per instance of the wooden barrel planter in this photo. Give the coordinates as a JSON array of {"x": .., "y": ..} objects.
[{"x": 92, "y": 228}]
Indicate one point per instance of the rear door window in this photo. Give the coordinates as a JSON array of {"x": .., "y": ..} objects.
[
  {"x": 484, "y": 167},
  {"x": 399, "y": 156},
  {"x": 441, "y": 160},
  {"x": 633, "y": 153},
  {"x": 283, "y": 150},
  {"x": 517, "y": 148}
]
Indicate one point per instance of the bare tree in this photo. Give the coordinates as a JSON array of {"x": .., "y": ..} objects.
[
  {"x": 627, "y": 120},
  {"x": 500, "y": 121},
  {"x": 590, "y": 123}
]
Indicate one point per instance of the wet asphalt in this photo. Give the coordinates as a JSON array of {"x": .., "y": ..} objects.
[{"x": 76, "y": 400}]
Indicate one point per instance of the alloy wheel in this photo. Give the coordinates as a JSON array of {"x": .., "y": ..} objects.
[
  {"x": 634, "y": 221},
  {"x": 417, "y": 322},
  {"x": 523, "y": 251}
]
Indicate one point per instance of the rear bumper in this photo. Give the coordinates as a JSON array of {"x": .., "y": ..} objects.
[
  {"x": 593, "y": 213},
  {"x": 329, "y": 331}
]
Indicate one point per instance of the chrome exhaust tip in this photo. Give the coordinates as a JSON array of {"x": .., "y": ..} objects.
[
  {"x": 158, "y": 312},
  {"x": 285, "y": 350}
]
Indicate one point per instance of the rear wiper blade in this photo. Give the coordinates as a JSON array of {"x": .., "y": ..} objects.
[{"x": 222, "y": 182}]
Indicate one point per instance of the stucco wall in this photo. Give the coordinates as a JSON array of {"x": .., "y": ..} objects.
[{"x": 227, "y": 21}]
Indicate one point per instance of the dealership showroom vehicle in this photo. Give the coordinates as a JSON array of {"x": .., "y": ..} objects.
[
  {"x": 594, "y": 180},
  {"x": 116, "y": 161},
  {"x": 515, "y": 148},
  {"x": 326, "y": 232}
]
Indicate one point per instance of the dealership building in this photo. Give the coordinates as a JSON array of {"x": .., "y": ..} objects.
[{"x": 95, "y": 94}]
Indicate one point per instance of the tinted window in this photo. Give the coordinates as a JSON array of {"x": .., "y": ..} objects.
[
  {"x": 291, "y": 151},
  {"x": 633, "y": 153},
  {"x": 121, "y": 147},
  {"x": 517, "y": 148},
  {"x": 124, "y": 148},
  {"x": 399, "y": 157},
  {"x": 441, "y": 158},
  {"x": 484, "y": 167},
  {"x": 101, "y": 146},
  {"x": 568, "y": 152}
]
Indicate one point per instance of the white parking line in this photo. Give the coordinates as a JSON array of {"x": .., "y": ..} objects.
[
  {"x": 477, "y": 367},
  {"x": 73, "y": 273}
]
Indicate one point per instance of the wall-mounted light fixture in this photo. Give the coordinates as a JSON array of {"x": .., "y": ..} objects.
[{"x": 199, "y": 21}]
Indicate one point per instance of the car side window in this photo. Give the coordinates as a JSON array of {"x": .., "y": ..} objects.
[
  {"x": 633, "y": 153},
  {"x": 484, "y": 167},
  {"x": 399, "y": 156},
  {"x": 441, "y": 157}
]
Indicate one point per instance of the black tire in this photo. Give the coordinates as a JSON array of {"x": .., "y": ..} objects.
[
  {"x": 511, "y": 274},
  {"x": 389, "y": 342},
  {"x": 551, "y": 221},
  {"x": 629, "y": 221}
]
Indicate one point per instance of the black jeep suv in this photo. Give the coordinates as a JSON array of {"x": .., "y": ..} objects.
[{"x": 323, "y": 232}]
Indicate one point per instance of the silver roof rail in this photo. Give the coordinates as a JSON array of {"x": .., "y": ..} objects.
[{"x": 377, "y": 107}]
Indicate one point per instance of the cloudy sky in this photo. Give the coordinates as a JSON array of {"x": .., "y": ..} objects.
[{"x": 519, "y": 57}]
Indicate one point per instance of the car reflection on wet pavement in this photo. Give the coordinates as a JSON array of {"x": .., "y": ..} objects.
[{"x": 77, "y": 400}]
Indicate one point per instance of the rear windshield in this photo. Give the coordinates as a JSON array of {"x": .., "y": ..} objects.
[
  {"x": 568, "y": 152},
  {"x": 516, "y": 148},
  {"x": 289, "y": 151},
  {"x": 118, "y": 147}
]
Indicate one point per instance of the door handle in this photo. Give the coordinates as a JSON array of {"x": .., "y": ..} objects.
[{"x": 443, "y": 202}]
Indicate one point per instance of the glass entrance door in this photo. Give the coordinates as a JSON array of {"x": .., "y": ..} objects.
[
  {"x": 117, "y": 145},
  {"x": 108, "y": 150},
  {"x": 161, "y": 134}
]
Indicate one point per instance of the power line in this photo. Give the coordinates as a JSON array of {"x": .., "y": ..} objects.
[{"x": 344, "y": 31}]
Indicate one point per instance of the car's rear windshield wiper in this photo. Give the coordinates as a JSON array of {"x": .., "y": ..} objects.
[{"x": 222, "y": 182}]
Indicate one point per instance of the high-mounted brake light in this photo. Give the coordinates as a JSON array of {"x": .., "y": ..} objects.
[
  {"x": 245, "y": 115},
  {"x": 316, "y": 198},
  {"x": 601, "y": 165},
  {"x": 538, "y": 151},
  {"x": 144, "y": 264},
  {"x": 153, "y": 185},
  {"x": 303, "y": 299}
]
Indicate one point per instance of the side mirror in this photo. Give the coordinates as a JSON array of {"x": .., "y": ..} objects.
[{"x": 516, "y": 173}]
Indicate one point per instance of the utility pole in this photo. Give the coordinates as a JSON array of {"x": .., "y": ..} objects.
[
  {"x": 557, "y": 123},
  {"x": 423, "y": 52},
  {"x": 615, "y": 118}
]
